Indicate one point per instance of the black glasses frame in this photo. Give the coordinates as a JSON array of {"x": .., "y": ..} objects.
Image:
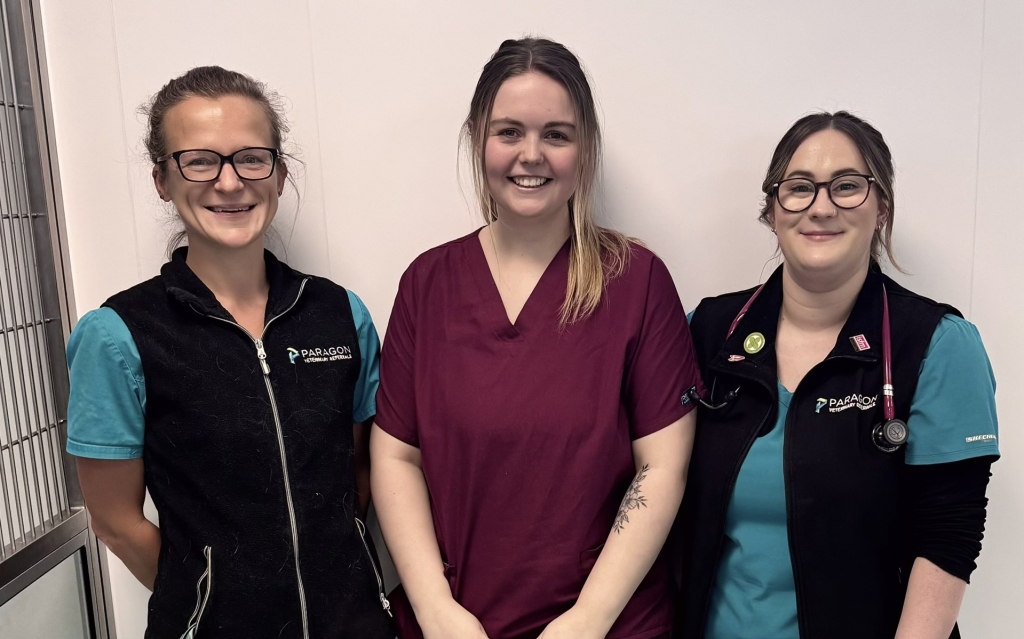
[
  {"x": 817, "y": 189},
  {"x": 224, "y": 159}
]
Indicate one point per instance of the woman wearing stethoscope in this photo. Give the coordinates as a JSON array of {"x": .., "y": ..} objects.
[{"x": 837, "y": 485}]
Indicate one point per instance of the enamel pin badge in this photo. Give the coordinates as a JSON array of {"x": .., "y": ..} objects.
[
  {"x": 860, "y": 343},
  {"x": 753, "y": 343}
]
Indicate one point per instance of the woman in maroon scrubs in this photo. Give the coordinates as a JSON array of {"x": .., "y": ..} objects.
[{"x": 533, "y": 425}]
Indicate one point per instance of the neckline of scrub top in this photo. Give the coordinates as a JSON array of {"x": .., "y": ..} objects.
[{"x": 555, "y": 275}]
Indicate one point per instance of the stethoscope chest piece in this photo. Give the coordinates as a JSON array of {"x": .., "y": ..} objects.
[{"x": 889, "y": 435}]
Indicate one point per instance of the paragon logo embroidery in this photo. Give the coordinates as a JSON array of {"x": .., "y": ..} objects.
[
  {"x": 863, "y": 402},
  {"x": 315, "y": 355}
]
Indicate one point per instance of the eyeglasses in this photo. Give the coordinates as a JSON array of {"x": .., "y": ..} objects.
[
  {"x": 846, "y": 192},
  {"x": 204, "y": 165}
]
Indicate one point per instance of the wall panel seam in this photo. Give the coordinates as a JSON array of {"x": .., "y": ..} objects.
[
  {"x": 977, "y": 163},
  {"x": 319, "y": 149},
  {"x": 124, "y": 139}
]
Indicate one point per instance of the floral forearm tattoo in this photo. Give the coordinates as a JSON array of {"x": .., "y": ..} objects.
[{"x": 633, "y": 500}]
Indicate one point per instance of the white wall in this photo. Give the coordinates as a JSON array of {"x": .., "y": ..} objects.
[
  {"x": 693, "y": 95},
  {"x": 993, "y": 607}
]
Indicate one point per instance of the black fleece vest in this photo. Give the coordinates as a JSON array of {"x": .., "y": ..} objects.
[
  {"x": 254, "y": 470},
  {"x": 845, "y": 499}
]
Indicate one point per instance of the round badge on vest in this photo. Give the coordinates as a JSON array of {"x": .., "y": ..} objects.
[{"x": 754, "y": 343}]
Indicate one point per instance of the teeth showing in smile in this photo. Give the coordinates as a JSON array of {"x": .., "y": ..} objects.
[
  {"x": 230, "y": 209},
  {"x": 530, "y": 182}
]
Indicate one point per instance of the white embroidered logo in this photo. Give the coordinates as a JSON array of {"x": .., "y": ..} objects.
[
  {"x": 863, "y": 402},
  {"x": 315, "y": 355}
]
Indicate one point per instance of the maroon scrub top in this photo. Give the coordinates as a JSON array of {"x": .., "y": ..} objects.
[{"x": 526, "y": 431}]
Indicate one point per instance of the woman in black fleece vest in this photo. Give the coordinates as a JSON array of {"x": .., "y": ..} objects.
[
  {"x": 237, "y": 391},
  {"x": 809, "y": 512}
]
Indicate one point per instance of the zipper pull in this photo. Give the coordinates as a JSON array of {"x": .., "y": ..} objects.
[{"x": 262, "y": 354}]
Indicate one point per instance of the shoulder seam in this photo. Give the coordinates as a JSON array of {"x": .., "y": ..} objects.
[
  {"x": 955, "y": 326},
  {"x": 110, "y": 339}
]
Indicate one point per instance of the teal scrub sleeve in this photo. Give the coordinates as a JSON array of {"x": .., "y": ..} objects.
[
  {"x": 953, "y": 413},
  {"x": 364, "y": 399},
  {"x": 107, "y": 403}
]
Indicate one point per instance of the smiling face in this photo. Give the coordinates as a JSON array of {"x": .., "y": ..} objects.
[
  {"x": 826, "y": 240},
  {"x": 228, "y": 213},
  {"x": 531, "y": 151}
]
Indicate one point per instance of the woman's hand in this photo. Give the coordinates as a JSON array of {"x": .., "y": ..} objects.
[
  {"x": 449, "y": 620},
  {"x": 572, "y": 624}
]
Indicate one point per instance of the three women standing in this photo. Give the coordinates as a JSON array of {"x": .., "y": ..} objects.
[{"x": 534, "y": 427}]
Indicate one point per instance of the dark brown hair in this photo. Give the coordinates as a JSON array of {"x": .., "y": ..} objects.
[
  {"x": 597, "y": 254},
  {"x": 869, "y": 143},
  {"x": 210, "y": 82}
]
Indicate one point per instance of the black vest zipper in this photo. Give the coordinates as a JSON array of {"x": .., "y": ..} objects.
[
  {"x": 787, "y": 485},
  {"x": 787, "y": 481},
  {"x": 261, "y": 353},
  {"x": 361, "y": 527},
  {"x": 725, "y": 506}
]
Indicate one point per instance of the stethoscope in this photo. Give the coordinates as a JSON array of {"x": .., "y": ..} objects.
[{"x": 887, "y": 436}]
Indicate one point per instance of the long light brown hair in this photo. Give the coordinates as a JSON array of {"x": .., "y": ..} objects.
[{"x": 597, "y": 254}]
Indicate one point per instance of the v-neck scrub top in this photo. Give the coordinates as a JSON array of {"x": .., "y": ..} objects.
[{"x": 526, "y": 431}]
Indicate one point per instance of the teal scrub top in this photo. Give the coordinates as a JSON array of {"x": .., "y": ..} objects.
[
  {"x": 107, "y": 402},
  {"x": 952, "y": 417}
]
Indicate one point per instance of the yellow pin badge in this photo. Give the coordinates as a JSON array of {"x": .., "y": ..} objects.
[{"x": 753, "y": 343}]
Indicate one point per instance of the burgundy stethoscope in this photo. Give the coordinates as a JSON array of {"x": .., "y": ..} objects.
[{"x": 887, "y": 436}]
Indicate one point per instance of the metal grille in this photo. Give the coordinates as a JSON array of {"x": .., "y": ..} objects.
[{"x": 33, "y": 490}]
